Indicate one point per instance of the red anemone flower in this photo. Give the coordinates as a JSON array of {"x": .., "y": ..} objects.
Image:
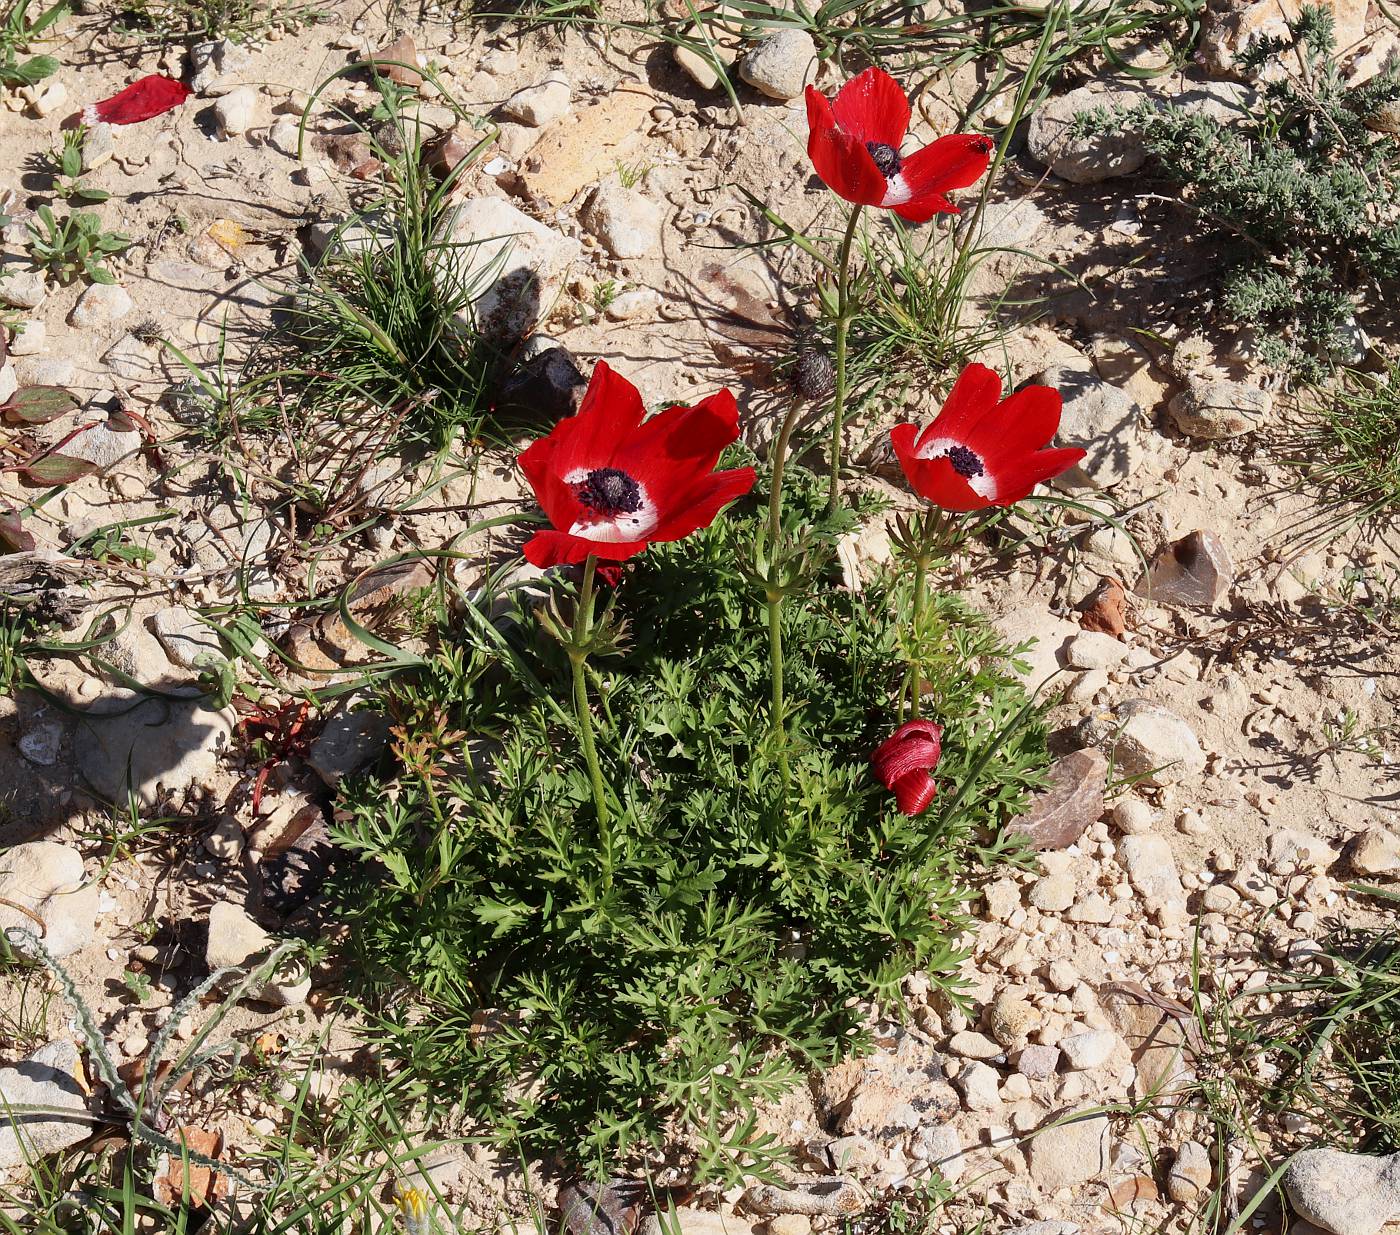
[
  {"x": 979, "y": 452},
  {"x": 904, "y": 760},
  {"x": 611, "y": 484},
  {"x": 149, "y": 96},
  {"x": 853, "y": 141}
]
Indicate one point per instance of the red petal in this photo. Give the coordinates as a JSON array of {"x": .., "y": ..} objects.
[
  {"x": 1016, "y": 478},
  {"x": 143, "y": 99},
  {"x": 914, "y": 746},
  {"x": 936, "y": 481},
  {"x": 552, "y": 548},
  {"x": 973, "y": 396},
  {"x": 556, "y": 499},
  {"x": 697, "y": 507},
  {"x": 1022, "y": 423},
  {"x": 914, "y": 793},
  {"x": 680, "y": 444},
  {"x": 611, "y": 410},
  {"x": 841, "y": 160},
  {"x": 929, "y": 174},
  {"x": 872, "y": 107}
]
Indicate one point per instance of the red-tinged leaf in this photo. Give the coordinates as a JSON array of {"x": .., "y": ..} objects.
[
  {"x": 57, "y": 470},
  {"x": 37, "y": 405},
  {"x": 13, "y": 537}
]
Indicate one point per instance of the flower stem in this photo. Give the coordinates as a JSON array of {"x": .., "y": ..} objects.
[
  {"x": 843, "y": 327},
  {"x": 775, "y": 593},
  {"x": 920, "y": 589},
  {"x": 578, "y": 657}
]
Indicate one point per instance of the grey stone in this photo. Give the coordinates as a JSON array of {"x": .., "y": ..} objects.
[
  {"x": 130, "y": 358},
  {"x": 149, "y": 745},
  {"x": 22, "y": 289},
  {"x": 1190, "y": 1174},
  {"x": 103, "y": 446},
  {"x": 1156, "y": 744},
  {"x": 1195, "y": 571},
  {"x": 30, "y": 337},
  {"x": 40, "y": 744},
  {"x": 1347, "y": 1194},
  {"x": 47, "y": 879},
  {"x": 235, "y": 111},
  {"x": 100, "y": 305},
  {"x": 520, "y": 264},
  {"x": 1102, "y": 420},
  {"x": 348, "y": 742},
  {"x": 781, "y": 64},
  {"x": 1089, "y": 159},
  {"x": 1213, "y": 409},
  {"x": 237, "y": 942},
  {"x": 1152, "y": 870},
  {"x": 1093, "y": 650},
  {"x": 540, "y": 105},
  {"x": 46, "y": 1078},
  {"x": 45, "y": 371},
  {"x": 626, "y": 221},
  {"x": 1071, "y": 1149},
  {"x": 979, "y": 1084},
  {"x": 188, "y": 641},
  {"x": 1038, "y": 1062},
  {"x": 1083, "y": 1052}
]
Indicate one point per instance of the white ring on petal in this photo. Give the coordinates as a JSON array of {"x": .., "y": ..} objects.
[
  {"x": 985, "y": 485},
  {"x": 636, "y": 525},
  {"x": 897, "y": 192}
]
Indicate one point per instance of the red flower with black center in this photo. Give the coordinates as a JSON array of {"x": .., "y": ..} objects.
[
  {"x": 611, "y": 484},
  {"x": 904, "y": 760},
  {"x": 982, "y": 450},
  {"x": 145, "y": 98},
  {"x": 854, "y": 139}
]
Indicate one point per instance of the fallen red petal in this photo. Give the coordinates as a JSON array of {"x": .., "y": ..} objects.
[{"x": 150, "y": 96}]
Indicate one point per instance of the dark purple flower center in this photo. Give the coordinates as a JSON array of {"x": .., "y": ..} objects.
[
  {"x": 965, "y": 462},
  {"x": 610, "y": 492},
  {"x": 886, "y": 158}
]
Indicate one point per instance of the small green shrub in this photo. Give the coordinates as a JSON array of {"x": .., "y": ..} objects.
[
  {"x": 1303, "y": 180},
  {"x": 242, "y": 20},
  {"x": 595, "y": 999}
]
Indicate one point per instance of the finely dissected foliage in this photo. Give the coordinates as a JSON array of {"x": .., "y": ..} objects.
[
  {"x": 594, "y": 995},
  {"x": 1304, "y": 181}
]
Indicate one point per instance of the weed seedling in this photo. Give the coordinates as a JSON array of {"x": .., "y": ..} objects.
[{"x": 76, "y": 247}]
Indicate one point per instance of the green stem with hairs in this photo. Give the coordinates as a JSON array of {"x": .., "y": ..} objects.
[
  {"x": 843, "y": 328},
  {"x": 578, "y": 657},
  {"x": 920, "y": 598},
  {"x": 775, "y": 594}
]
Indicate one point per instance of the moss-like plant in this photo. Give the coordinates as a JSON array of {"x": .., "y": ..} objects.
[
  {"x": 1306, "y": 178},
  {"x": 745, "y": 915}
]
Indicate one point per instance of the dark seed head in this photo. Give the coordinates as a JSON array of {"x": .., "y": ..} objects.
[
  {"x": 886, "y": 158},
  {"x": 610, "y": 492},
  {"x": 965, "y": 462},
  {"x": 813, "y": 375}
]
